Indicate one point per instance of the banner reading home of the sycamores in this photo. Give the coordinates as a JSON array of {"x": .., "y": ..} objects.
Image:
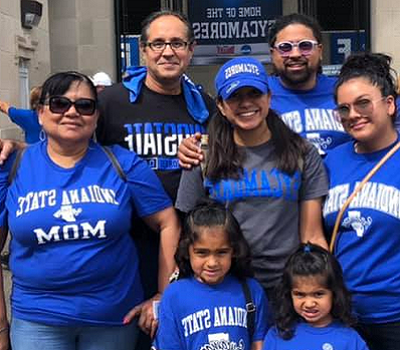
[{"x": 227, "y": 28}]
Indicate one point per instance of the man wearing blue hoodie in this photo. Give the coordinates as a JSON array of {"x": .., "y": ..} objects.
[{"x": 150, "y": 112}]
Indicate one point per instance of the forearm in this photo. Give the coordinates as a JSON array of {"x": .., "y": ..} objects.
[
  {"x": 3, "y": 309},
  {"x": 311, "y": 223},
  {"x": 169, "y": 237}
]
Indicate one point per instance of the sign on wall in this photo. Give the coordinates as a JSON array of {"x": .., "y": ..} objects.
[
  {"x": 227, "y": 28},
  {"x": 344, "y": 43},
  {"x": 130, "y": 54}
]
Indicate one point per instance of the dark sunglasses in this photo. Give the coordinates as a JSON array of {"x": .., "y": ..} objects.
[
  {"x": 61, "y": 104},
  {"x": 305, "y": 47}
]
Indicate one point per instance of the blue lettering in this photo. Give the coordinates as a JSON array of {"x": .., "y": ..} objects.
[
  {"x": 148, "y": 128},
  {"x": 170, "y": 128}
]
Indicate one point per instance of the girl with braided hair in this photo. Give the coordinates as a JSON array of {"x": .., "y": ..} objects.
[{"x": 369, "y": 230}]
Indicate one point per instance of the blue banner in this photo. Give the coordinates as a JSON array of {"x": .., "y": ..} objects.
[
  {"x": 230, "y": 22},
  {"x": 226, "y": 28},
  {"x": 343, "y": 44}
]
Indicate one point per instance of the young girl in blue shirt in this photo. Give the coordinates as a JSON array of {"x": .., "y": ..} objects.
[
  {"x": 206, "y": 307},
  {"x": 314, "y": 308}
]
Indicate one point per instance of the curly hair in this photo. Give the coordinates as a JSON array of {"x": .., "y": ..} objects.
[
  {"x": 374, "y": 67},
  {"x": 209, "y": 213},
  {"x": 311, "y": 260}
]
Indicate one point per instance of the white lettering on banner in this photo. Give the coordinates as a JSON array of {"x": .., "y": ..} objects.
[
  {"x": 231, "y": 30},
  {"x": 214, "y": 12},
  {"x": 254, "y": 11},
  {"x": 71, "y": 232}
]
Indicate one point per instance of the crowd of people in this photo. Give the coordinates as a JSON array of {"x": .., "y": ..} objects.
[{"x": 289, "y": 208}]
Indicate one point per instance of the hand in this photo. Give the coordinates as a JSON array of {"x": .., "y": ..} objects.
[
  {"x": 7, "y": 147},
  {"x": 189, "y": 153},
  {"x": 4, "y": 106},
  {"x": 147, "y": 322},
  {"x": 4, "y": 340}
]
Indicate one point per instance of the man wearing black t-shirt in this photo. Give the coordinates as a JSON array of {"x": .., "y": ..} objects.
[{"x": 150, "y": 113}]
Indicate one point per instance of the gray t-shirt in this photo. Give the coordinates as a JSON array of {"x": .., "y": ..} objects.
[{"x": 265, "y": 201}]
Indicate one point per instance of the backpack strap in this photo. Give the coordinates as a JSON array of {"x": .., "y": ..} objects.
[
  {"x": 250, "y": 307},
  {"x": 114, "y": 161},
  {"x": 15, "y": 166}
]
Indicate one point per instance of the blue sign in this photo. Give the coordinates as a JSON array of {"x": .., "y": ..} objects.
[
  {"x": 343, "y": 44},
  {"x": 230, "y": 22},
  {"x": 130, "y": 55}
]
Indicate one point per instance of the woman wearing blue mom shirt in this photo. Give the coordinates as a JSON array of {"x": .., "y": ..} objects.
[{"x": 75, "y": 270}]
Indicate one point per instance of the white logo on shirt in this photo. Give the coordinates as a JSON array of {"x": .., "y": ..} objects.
[
  {"x": 67, "y": 213},
  {"x": 357, "y": 222},
  {"x": 327, "y": 346}
]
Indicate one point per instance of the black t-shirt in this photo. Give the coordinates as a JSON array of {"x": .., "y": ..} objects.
[{"x": 153, "y": 127}]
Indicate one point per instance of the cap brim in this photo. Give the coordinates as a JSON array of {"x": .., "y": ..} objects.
[{"x": 228, "y": 90}]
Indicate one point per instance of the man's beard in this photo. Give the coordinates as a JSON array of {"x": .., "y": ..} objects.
[{"x": 292, "y": 79}]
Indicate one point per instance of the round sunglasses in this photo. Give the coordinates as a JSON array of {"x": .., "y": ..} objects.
[
  {"x": 61, "y": 104},
  {"x": 364, "y": 107},
  {"x": 304, "y": 46}
]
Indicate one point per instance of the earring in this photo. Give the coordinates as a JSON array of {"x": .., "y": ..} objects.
[{"x": 42, "y": 135}]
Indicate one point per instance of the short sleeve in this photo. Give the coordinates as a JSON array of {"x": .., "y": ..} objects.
[
  {"x": 147, "y": 192},
  {"x": 314, "y": 178},
  {"x": 191, "y": 189},
  {"x": 358, "y": 342},
  {"x": 270, "y": 340},
  {"x": 168, "y": 335}
]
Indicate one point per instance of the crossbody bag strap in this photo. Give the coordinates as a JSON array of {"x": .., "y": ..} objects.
[
  {"x": 114, "y": 161},
  {"x": 356, "y": 190},
  {"x": 250, "y": 308}
]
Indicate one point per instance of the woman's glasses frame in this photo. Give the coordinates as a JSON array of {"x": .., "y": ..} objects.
[{"x": 362, "y": 106}]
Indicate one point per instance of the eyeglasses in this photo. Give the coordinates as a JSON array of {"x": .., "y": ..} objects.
[
  {"x": 176, "y": 45},
  {"x": 61, "y": 104},
  {"x": 305, "y": 47},
  {"x": 363, "y": 107}
]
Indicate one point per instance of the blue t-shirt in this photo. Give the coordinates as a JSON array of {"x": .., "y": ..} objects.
[
  {"x": 335, "y": 336},
  {"x": 310, "y": 112},
  {"x": 27, "y": 119},
  {"x": 194, "y": 315},
  {"x": 71, "y": 255},
  {"x": 368, "y": 242}
]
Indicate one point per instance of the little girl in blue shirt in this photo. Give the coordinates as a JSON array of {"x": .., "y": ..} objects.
[
  {"x": 313, "y": 311},
  {"x": 206, "y": 307}
]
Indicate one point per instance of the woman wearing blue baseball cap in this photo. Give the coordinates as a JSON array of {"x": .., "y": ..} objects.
[{"x": 270, "y": 178}]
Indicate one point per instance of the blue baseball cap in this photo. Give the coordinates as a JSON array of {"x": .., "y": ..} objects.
[{"x": 240, "y": 72}]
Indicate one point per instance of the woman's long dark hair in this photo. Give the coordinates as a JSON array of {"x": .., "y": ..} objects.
[
  {"x": 311, "y": 260},
  {"x": 374, "y": 67},
  {"x": 209, "y": 213},
  {"x": 225, "y": 158}
]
